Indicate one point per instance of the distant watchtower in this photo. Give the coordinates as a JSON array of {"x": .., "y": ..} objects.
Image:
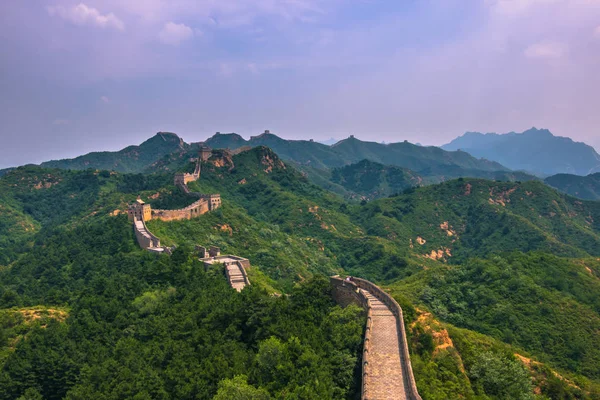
[
  {"x": 204, "y": 153},
  {"x": 140, "y": 211}
]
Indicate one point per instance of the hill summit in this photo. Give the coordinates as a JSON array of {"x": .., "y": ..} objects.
[{"x": 129, "y": 159}]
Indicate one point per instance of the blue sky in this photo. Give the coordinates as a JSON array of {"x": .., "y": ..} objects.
[{"x": 78, "y": 76}]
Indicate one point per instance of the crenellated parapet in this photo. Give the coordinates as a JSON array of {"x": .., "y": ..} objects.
[
  {"x": 194, "y": 210},
  {"x": 139, "y": 212}
]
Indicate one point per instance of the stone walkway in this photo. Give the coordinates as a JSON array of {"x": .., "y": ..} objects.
[
  {"x": 384, "y": 380},
  {"x": 236, "y": 277}
]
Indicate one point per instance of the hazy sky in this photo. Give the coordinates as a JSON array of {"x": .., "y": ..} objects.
[{"x": 99, "y": 75}]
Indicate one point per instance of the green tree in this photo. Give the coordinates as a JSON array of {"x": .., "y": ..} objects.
[
  {"x": 238, "y": 388},
  {"x": 501, "y": 377}
]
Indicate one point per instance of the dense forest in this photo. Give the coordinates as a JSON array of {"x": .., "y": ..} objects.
[
  {"x": 123, "y": 324},
  {"x": 499, "y": 282}
]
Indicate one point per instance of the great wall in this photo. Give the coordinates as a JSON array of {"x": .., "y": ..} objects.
[
  {"x": 386, "y": 368},
  {"x": 139, "y": 212}
]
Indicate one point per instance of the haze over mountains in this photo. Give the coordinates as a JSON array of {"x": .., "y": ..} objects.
[
  {"x": 357, "y": 169},
  {"x": 130, "y": 159},
  {"x": 536, "y": 151},
  {"x": 328, "y": 166}
]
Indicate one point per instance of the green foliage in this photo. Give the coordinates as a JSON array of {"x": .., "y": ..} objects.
[
  {"x": 238, "y": 388},
  {"x": 544, "y": 304},
  {"x": 584, "y": 187},
  {"x": 143, "y": 326},
  {"x": 477, "y": 218},
  {"x": 373, "y": 180},
  {"x": 501, "y": 378}
]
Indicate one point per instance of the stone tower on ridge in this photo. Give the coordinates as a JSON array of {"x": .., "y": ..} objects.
[{"x": 204, "y": 153}]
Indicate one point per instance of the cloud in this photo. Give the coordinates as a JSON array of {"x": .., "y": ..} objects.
[
  {"x": 225, "y": 12},
  {"x": 597, "y": 31},
  {"x": 104, "y": 99},
  {"x": 84, "y": 15},
  {"x": 174, "y": 34},
  {"x": 545, "y": 50},
  {"x": 61, "y": 121}
]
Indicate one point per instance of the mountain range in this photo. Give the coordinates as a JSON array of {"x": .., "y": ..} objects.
[
  {"x": 352, "y": 150},
  {"x": 498, "y": 282},
  {"x": 324, "y": 165},
  {"x": 357, "y": 169},
  {"x": 129, "y": 159},
  {"x": 535, "y": 151}
]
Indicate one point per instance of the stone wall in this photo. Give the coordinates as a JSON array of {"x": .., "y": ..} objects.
[
  {"x": 403, "y": 343},
  {"x": 194, "y": 210},
  {"x": 244, "y": 263},
  {"x": 144, "y": 237},
  {"x": 241, "y": 269},
  {"x": 347, "y": 292},
  {"x": 184, "y": 179},
  {"x": 139, "y": 212}
]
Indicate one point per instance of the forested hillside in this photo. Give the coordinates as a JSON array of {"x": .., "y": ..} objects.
[
  {"x": 584, "y": 187},
  {"x": 484, "y": 270},
  {"x": 166, "y": 150},
  {"x": 130, "y": 159}
]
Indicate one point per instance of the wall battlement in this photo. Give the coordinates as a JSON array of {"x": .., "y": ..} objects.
[{"x": 139, "y": 212}]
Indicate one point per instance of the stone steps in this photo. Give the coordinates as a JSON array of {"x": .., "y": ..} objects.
[{"x": 236, "y": 277}]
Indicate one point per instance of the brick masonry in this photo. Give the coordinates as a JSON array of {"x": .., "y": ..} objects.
[
  {"x": 140, "y": 212},
  {"x": 387, "y": 372}
]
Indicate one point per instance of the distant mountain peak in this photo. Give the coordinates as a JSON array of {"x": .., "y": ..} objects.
[
  {"x": 230, "y": 141},
  {"x": 266, "y": 135},
  {"x": 535, "y": 150},
  {"x": 349, "y": 139},
  {"x": 166, "y": 137},
  {"x": 536, "y": 131}
]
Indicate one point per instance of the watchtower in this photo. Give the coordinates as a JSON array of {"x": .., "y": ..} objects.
[
  {"x": 140, "y": 211},
  {"x": 204, "y": 153}
]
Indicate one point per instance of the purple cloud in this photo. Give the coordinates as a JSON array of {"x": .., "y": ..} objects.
[{"x": 84, "y": 15}]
